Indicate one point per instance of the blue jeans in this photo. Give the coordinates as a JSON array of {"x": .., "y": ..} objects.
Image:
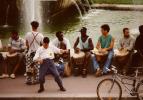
[
  {"x": 49, "y": 66},
  {"x": 107, "y": 63},
  {"x": 60, "y": 68}
]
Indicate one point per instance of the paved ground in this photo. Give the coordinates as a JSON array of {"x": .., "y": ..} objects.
[{"x": 77, "y": 88}]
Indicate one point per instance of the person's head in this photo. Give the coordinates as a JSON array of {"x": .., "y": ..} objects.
[
  {"x": 105, "y": 29},
  {"x": 59, "y": 35},
  {"x": 83, "y": 31},
  {"x": 126, "y": 32},
  {"x": 46, "y": 41},
  {"x": 14, "y": 35},
  {"x": 141, "y": 29},
  {"x": 34, "y": 25}
]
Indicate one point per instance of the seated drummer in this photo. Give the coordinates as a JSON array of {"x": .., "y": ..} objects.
[
  {"x": 126, "y": 44},
  {"x": 85, "y": 45},
  {"x": 62, "y": 43},
  {"x": 15, "y": 48},
  {"x": 105, "y": 44}
]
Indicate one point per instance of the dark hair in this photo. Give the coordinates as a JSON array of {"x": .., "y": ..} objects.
[
  {"x": 34, "y": 24},
  {"x": 124, "y": 29},
  {"x": 83, "y": 29},
  {"x": 14, "y": 32},
  {"x": 46, "y": 40},
  {"x": 141, "y": 29},
  {"x": 58, "y": 33},
  {"x": 105, "y": 27}
]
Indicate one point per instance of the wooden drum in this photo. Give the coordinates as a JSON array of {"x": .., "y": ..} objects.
[
  {"x": 100, "y": 56},
  {"x": 78, "y": 58},
  {"x": 121, "y": 55}
]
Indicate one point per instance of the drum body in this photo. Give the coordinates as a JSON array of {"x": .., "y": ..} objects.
[
  {"x": 78, "y": 62},
  {"x": 121, "y": 56},
  {"x": 12, "y": 58},
  {"x": 78, "y": 58}
]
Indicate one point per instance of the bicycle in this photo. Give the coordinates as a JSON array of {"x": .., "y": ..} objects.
[{"x": 111, "y": 88}]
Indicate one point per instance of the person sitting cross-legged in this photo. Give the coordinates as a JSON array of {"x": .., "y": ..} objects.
[{"x": 105, "y": 44}]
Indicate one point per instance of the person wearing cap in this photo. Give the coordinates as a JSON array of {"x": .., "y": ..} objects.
[
  {"x": 105, "y": 44},
  {"x": 85, "y": 45},
  {"x": 44, "y": 56}
]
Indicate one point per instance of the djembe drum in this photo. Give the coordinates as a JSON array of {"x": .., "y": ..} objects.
[
  {"x": 12, "y": 57},
  {"x": 121, "y": 55},
  {"x": 78, "y": 61},
  {"x": 100, "y": 56}
]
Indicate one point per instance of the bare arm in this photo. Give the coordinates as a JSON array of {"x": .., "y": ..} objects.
[
  {"x": 27, "y": 45},
  {"x": 76, "y": 43},
  {"x": 98, "y": 45}
]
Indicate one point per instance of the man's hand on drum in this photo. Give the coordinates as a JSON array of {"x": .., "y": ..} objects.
[
  {"x": 64, "y": 51},
  {"x": 103, "y": 50},
  {"x": 77, "y": 50}
]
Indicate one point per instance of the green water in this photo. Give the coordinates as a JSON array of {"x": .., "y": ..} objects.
[{"x": 117, "y": 20}]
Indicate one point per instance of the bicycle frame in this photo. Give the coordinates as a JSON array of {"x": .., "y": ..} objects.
[{"x": 120, "y": 78}]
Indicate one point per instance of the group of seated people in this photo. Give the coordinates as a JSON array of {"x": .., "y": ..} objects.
[{"x": 84, "y": 59}]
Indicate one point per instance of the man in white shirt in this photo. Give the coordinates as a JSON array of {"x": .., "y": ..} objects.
[
  {"x": 61, "y": 39},
  {"x": 62, "y": 43},
  {"x": 44, "y": 56},
  {"x": 34, "y": 40}
]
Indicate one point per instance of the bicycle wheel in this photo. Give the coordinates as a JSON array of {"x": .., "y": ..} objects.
[
  {"x": 109, "y": 89},
  {"x": 140, "y": 90}
]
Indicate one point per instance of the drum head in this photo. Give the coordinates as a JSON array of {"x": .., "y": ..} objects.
[
  {"x": 99, "y": 53},
  {"x": 120, "y": 53},
  {"x": 79, "y": 55},
  {"x": 11, "y": 55}
]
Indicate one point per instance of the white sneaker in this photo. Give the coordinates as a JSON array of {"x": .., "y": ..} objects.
[
  {"x": 4, "y": 76},
  {"x": 12, "y": 76}
]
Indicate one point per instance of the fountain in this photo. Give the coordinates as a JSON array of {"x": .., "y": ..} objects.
[
  {"x": 6, "y": 26},
  {"x": 87, "y": 1},
  {"x": 6, "y": 23},
  {"x": 32, "y": 11},
  {"x": 9, "y": 17}
]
